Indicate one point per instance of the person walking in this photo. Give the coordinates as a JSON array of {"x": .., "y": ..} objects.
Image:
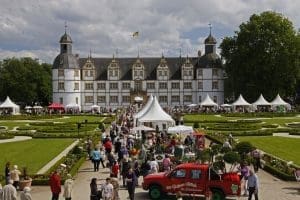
[
  {"x": 15, "y": 176},
  {"x": 95, "y": 194},
  {"x": 107, "y": 190},
  {"x": 68, "y": 187},
  {"x": 96, "y": 156},
  {"x": 55, "y": 185},
  {"x": 115, "y": 183},
  {"x": 9, "y": 192},
  {"x": 131, "y": 181},
  {"x": 7, "y": 172},
  {"x": 252, "y": 185},
  {"x": 25, "y": 194}
]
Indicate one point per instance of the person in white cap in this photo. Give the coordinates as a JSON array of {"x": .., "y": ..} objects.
[
  {"x": 9, "y": 192},
  {"x": 68, "y": 187},
  {"x": 15, "y": 176},
  {"x": 25, "y": 194}
]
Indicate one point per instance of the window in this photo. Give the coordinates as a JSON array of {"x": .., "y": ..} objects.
[
  {"x": 190, "y": 72},
  {"x": 166, "y": 73},
  {"x": 88, "y": 99},
  {"x": 91, "y": 73},
  {"x": 163, "y": 99},
  {"x": 61, "y": 72},
  {"x": 159, "y": 73},
  {"x": 215, "y": 72},
  {"x": 150, "y": 85},
  {"x": 187, "y": 98},
  {"x": 125, "y": 99},
  {"x": 113, "y": 85},
  {"x": 185, "y": 73},
  {"x": 200, "y": 85},
  {"x": 175, "y": 85},
  {"x": 100, "y": 99},
  {"x": 86, "y": 73},
  {"x": 113, "y": 99},
  {"x": 111, "y": 73},
  {"x": 76, "y": 86},
  {"x": 141, "y": 73},
  {"x": 215, "y": 99},
  {"x": 163, "y": 85},
  {"x": 179, "y": 173},
  {"x": 89, "y": 86},
  {"x": 126, "y": 85},
  {"x": 200, "y": 98},
  {"x": 101, "y": 86},
  {"x": 195, "y": 174},
  {"x": 76, "y": 73},
  {"x": 187, "y": 85},
  {"x": 200, "y": 72},
  {"x": 135, "y": 73},
  {"x": 61, "y": 85},
  {"x": 175, "y": 98},
  {"x": 61, "y": 100},
  {"x": 215, "y": 85},
  {"x": 76, "y": 100}
]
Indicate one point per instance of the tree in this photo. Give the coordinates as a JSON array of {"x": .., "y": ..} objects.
[
  {"x": 262, "y": 57},
  {"x": 25, "y": 81}
]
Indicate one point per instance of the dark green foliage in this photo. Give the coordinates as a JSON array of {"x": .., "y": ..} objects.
[
  {"x": 25, "y": 81},
  {"x": 196, "y": 125},
  {"x": 262, "y": 57},
  {"x": 244, "y": 147},
  {"x": 231, "y": 157}
]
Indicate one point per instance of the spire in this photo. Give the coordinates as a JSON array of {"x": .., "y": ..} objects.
[
  {"x": 90, "y": 53},
  {"x": 66, "y": 26},
  {"x": 162, "y": 55},
  {"x": 210, "y": 27}
]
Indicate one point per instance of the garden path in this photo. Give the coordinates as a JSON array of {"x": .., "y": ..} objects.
[
  {"x": 57, "y": 158},
  {"x": 286, "y": 135},
  {"x": 16, "y": 139}
]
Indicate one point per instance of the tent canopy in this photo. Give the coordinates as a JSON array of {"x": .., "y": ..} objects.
[
  {"x": 8, "y": 104},
  {"x": 155, "y": 114},
  {"x": 144, "y": 109},
  {"x": 142, "y": 128},
  {"x": 180, "y": 129},
  {"x": 278, "y": 101},
  {"x": 261, "y": 101},
  {"x": 56, "y": 106},
  {"x": 241, "y": 102},
  {"x": 208, "y": 102}
]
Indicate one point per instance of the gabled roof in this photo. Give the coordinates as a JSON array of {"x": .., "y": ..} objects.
[
  {"x": 241, "y": 102},
  {"x": 155, "y": 114},
  {"x": 8, "y": 104},
  {"x": 208, "y": 102},
  {"x": 278, "y": 101},
  {"x": 261, "y": 101}
]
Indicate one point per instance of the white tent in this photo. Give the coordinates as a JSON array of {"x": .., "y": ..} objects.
[
  {"x": 261, "y": 101},
  {"x": 142, "y": 128},
  {"x": 240, "y": 102},
  {"x": 157, "y": 116},
  {"x": 144, "y": 109},
  {"x": 208, "y": 102},
  {"x": 73, "y": 107},
  {"x": 278, "y": 101},
  {"x": 10, "y": 107}
]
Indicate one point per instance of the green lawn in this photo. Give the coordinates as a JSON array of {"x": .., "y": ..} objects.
[
  {"x": 33, "y": 154},
  {"x": 76, "y": 119},
  {"x": 282, "y": 147},
  {"x": 11, "y": 123}
]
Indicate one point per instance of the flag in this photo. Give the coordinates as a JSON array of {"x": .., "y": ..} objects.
[{"x": 135, "y": 34}]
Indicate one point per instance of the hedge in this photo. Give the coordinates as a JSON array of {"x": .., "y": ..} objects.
[{"x": 278, "y": 174}]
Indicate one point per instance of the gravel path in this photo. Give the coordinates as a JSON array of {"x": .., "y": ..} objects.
[{"x": 16, "y": 139}]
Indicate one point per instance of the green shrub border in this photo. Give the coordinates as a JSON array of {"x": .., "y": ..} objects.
[{"x": 279, "y": 174}]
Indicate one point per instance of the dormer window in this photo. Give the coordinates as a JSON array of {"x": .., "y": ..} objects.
[
  {"x": 187, "y": 70},
  {"x": 138, "y": 70},
  {"x": 162, "y": 70},
  {"x": 88, "y": 69},
  {"x": 113, "y": 70}
]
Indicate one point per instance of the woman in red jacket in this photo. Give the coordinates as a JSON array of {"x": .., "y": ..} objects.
[{"x": 55, "y": 185}]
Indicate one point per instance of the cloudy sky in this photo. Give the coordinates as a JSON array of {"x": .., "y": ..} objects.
[{"x": 33, "y": 27}]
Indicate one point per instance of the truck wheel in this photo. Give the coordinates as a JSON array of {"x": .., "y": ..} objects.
[
  {"x": 217, "y": 195},
  {"x": 155, "y": 192}
]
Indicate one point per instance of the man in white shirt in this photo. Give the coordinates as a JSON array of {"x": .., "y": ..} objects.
[
  {"x": 107, "y": 190},
  {"x": 253, "y": 185}
]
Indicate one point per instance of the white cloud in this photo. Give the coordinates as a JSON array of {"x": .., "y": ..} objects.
[{"x": 33, "y": 27}]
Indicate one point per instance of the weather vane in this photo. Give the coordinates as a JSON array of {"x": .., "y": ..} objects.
[
  {"x": 66, "y": 26},
  {"x": 210, "y": 26}
]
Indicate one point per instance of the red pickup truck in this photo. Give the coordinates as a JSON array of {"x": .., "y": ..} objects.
[{"x": 193, "y": 179}]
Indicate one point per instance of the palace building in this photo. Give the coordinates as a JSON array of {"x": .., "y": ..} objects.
[{"x": 116, "y": 82}]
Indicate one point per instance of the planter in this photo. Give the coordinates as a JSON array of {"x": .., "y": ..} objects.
[{"x": 25, "y": 183}]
